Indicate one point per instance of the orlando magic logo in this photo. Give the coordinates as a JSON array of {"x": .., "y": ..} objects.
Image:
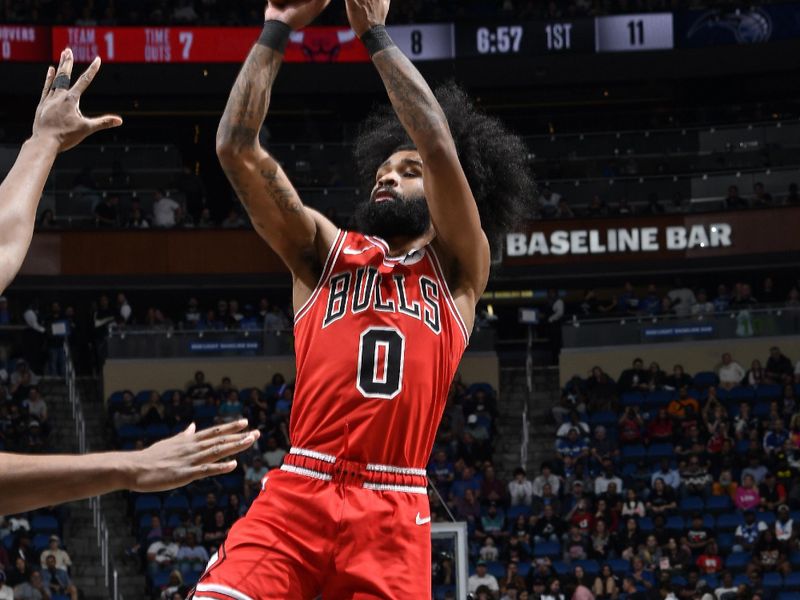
[{"x": 749, "y": 26}]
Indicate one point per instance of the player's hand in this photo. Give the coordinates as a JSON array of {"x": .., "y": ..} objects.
[
  {"x": 188, "y": 456},
  {"x": 295, "y": 13},
  {"x": 366, "y": 14},
  {"x": 58, "y": 116}
]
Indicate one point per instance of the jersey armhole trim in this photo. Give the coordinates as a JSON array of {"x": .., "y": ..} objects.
[
  {"x": 448, "y": 296},
  {"x": 333, "y": 254}
]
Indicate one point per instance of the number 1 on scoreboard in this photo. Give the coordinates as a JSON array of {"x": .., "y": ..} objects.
[{"x": 109, "y": 38}]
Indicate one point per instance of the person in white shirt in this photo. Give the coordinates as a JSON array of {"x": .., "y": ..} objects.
[
  {"x": 489, "y": 551},
  {"x": 605, "y": 478},
  {"x": 784, "y": 525},
  {"x": 546, "y": 477},
  {"x": 124, "y": 308},
  {"x": 681, "y": 299},
  {"x": 161, "y": 554},
  {"x": 702, "y": 306},
  {"x": 520, "y": 489},
  {"x": 6, "y": 593},
  {"x": 273, "y": 455},
  {"x": 482, "y": 577},
  {"x": 63, "y": 561},
  {"x": 164, "y": 209},
  {"x": 730, "y": 372}
]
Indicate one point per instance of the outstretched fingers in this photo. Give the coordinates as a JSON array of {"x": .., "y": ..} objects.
[
  {"x": 104, "y": 122},
  {"x": 213, "y": 432},
  {"x": 86, "y": 78},
  {"x": 64, "y": 72},
  {"x": 48, "y": 82},
  {"x": 226, "y": 447}
]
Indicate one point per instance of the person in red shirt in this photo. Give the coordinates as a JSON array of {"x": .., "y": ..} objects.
[
  {"x": 660, "y": 429},
  {"x": 581, "y": 516},
  {"x": 710, "y": 561}
]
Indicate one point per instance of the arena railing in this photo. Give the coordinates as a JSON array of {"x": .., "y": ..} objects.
[
  {"x": 110, "y": 573},
  {"x": 762, "y": 321}
]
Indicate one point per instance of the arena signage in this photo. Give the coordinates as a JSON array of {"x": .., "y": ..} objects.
[{"x": 619, "y": 240}]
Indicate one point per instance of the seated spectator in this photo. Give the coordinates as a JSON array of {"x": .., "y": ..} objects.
[
  {"x": 601, "y": 547},
  {"x": 662, "y": 499},
  {"x": 778, "y": 366},
  {"x": 651, "y": 304},
  {"x": 573, "y": 422},
  {"x": 36, "y": 407},
  {"x": 489, "y": 551},
  {"x": 695, "y": 477},
  {"x": 703, "y": 306},
  {"x": 710, "y": 562},
  {"x": 726, "y": 590},
  {"x": 747, "y": 496},
  {"x": 723, "y": 300},
  {"x": 748, "y": 533},
  {"x": 548, "y": 498},
  {"x": 633, "y": 506},
  {"x": 467, "y": 507},
  {"x": 681, "y": 299},
  {"x": 769, "y": 556},
  {"x": 520, "y": 489},
  {"x": 482, "y": 577},
  {"x": 606, "y": 477},
  {"x": 254, "y": 475},
  {"x": 789, "y": 403},
  {"x": 273, "y": 454},
  {"x": 493, "y": 523},
  {"x": 200, "y": 389},
  {"x": 575, "y": 545},
  {"x": 231, "y": 409},
  {"x": 57, "y": 580},
  {"x": 784, "y": 528},
  {"x": 655, "y": 377},
  {"x": 667, "y": 474},
  {"x": 63, "y": 561},
  {"x": 162, "y": 552},
  {"x": 730, "y": 372},
  {"x": 178, "y": 410},
  {"x": 152, "y": 412},
  {"x": 606, "y": 584},
  {"x": 677, "y": 557},
  {"x": 684, "y": 406},
  {"x": 692, "y": 443},
  {"x": 660, "y": 429},
  {"x": 733, "y": 200},
  {"x": 678, "y": 379},
  {"x": 173, "y": 587},
  {"x": 192, "y": 557},
  {"x": 635, "y": 378},
  {"x": 546, "y": 476},
  {"x": 755, "y": 376},
  {"x": 492, "y": 489},
  {"x": 581, "y": 517},
  {"x": 548, "y": 527},
  {"x": 32, "y": 589},
  {"x": 602, "y": 447},
  {"x": 775, "y": 437},
  {"x": 6, "y": 591},
  {"x": 572, "y": 447},
  {"x": 744, "y": 422},
  {"x": 601, "y": 390},
  {"x": 698, "y": 535},
  {"x": 754, "y": 468},
  {"x": 631, "y": 425},
  {"x": 215, "y": 533}
]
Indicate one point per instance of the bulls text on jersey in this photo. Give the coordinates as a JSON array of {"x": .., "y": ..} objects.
[{"x": 361, "y": 290}]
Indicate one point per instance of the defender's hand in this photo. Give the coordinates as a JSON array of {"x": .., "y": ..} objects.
[
  {"x": 58, "y": 116},
  {"x": 188, "y": 456},
  {"x": 365, "y": 14},
  {"x": 295, "y": 13}
]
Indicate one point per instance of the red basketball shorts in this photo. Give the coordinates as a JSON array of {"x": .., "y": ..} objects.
[{"x": 323, "y": 526}]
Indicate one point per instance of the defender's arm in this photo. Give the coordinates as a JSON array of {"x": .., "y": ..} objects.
[
  {"x": 450, "y": 200},
  {"x": 297, "y": 234}
]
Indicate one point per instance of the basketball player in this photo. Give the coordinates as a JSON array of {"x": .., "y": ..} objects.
[
  {"x": 29, "y": 482},
  {"x": 383, "y": 315}
]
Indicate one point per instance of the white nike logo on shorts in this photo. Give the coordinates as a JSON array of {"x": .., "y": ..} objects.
[
  {"x": 421, "y": 521},
  {"x": 353, "y": 252}
]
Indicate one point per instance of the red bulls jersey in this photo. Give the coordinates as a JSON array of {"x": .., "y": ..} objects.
[{"x": 377, "y": 345}]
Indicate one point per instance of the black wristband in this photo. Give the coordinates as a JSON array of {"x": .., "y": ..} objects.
[
  {"x": 377, "y": 39},
  {"x": 275, "y": 35}
]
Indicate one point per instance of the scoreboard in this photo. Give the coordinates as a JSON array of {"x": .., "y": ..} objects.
[{"x": 420, "y": 42}]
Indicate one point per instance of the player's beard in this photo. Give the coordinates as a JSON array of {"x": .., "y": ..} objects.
[{"x": 401, "y": 217}]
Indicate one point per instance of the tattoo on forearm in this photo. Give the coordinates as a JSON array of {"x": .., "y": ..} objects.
[
  {"x": 411, "y": 97},
  {"x": 278, "y": 188}
]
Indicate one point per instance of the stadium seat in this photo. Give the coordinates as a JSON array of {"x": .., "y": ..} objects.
[
  {"x": 177, "y": 503},
  {"x": 619, "y": 566},
  {"x": 561, "y": 568},
  {"x": 516, "y": 511},
  {"x": 440, "y": 591},
  {"x": 794, "y": 558},
  {"x": 130, "y": 433},
  {"x": 40, "y": 542},
  {"x": 160, "y": 579},
  {"x": 737, "y": 561},
  {"x": 44, "y": 524},
  {"x": 712, "y": 580},
  {"x": 788, "y": 596},
  {"x": 604, "y": 418},
  {"x": 157, "y": 431},
  {"x": 658, "y": 398},
  {"x": 725, "y": 542},
  {"x": 233, "y": 482},
  {"x": 739, "y": 394},
  {"x": 191, "y": 578},
  {"x": 115, "y": 399},
  {"x": 481, "y": 387},
  {"x": 729, "y": 521},
  {"x": 691, "y": 504},
  {"x": 8, "y": 541},
  {"x": 142, "y": 397},
  {"x": 590, "y": 567},
  {"x": 198, "y": 501},
  {"x": 675, "y": 523},
  {"x": 646, "y": 524},
  {"x": 705, "y": 379},
  {"x": 792, "y": 581},
  {"x": 173, "y": 521},
  {"x": 547, "y": 549},
  {"x": 678, "y": 581},
  {"x": 658, "y": 451},
  {"x": 742, "y": 446},
  {"x": 718, "y": 504},
  {"x": 524, "y": 568},
  {"x": 741, "y": 579},
  {"x": 633, "y": 453},
  {"x": 204, "y": 415},
  {"x": 761, "y": 409},
  {"x": 773, "y": 581},
  {"x": 59, "y": 597},
  {"x": 147, "y": 504},
  {"x": 767, "y": 517},
  {"x": 496, "y": 568},
  {"x": 632, "y": 399},
  {"x": 769, "y": 392}
]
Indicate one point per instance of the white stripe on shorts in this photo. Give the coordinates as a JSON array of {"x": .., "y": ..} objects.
[
  {"x": 306, "y": 472},
  {"x": 385, "y": 487},
  {"x": 397, "y": 470},
  {"x": 313, "y": 454}
]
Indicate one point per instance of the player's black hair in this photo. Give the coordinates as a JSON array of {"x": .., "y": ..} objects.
[{"x": 494, "y": 159}]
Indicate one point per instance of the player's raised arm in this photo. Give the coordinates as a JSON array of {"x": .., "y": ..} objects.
[
  {"x": 297, "y": 234},
  {"x": 58, "y": 126},
  {"x": 450, "y": 201}
]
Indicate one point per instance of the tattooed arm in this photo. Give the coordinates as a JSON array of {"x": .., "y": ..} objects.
[
  {"x": 450, "y": 200},
  {"x": 299, "y": 235}
]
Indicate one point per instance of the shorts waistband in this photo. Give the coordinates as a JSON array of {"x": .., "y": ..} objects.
[{"x": 326, "y": 467}]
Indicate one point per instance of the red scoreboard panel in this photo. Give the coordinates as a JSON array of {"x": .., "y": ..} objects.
[
  {"x": 24, "y": 43},
  {"x": 200, "y": 44}
]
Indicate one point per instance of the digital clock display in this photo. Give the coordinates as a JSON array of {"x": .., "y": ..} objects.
[{"x": 491, "y": 40}]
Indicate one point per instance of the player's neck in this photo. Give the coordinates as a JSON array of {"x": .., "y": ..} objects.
[{"x": 400, "y": 245}]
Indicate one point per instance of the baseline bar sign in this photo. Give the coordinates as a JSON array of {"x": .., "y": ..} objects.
[
  {"x": 651, "y": 239},
  {"x": 563, "y": 242}
]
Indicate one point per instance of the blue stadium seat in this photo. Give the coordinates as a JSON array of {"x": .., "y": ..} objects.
[
  {"x": 619, "y": 566},
  {"x": 204, "y": 415},
  {"x": 191, "y": 578},
  {"x": 633, "y": 453},
  {"x": 658, "y": 451},
  {"x": 769, "y": 392},
  {"x": 157, "y": 431},
  {"x": 549, "y": 549},
  {"x": 233, "y": 482},
  {"x": 8, "y": 541},
  {"x": 160, "y": 579},
  {"x": 741, "y": 579},
  {"x": 115, "y": 399},
  {"x": 166, "y": 397},
  {"x": 739, "y": 394},
  {"x": 675, "y": 523},
  {"x": 481, "y": 387},
  {"x": 794, "y": 557},
  {"x": 40, "y": 542},
  {"x": 711, "y": 579},
  {"x": 767, "y": 516},
  {"x": 788, "y": 596},
  {"x": 177, "y": 503},
  {"x": 590, "y": 567},
  {"x": 142, "y": 397},
  {"x": 658, "y": 398},
  {"x": 792, "y": 581},
  {"x": 516, "y": 511},
  {"x": 737, "y": 561},
  {"x": 646, "y": 524},
  {"x": 725, "y": 541},
  {"x": 761, "y": 409},
  {"x": 147, "y": 504},
  {"x": 605, "y": 418},
  {"x": 772, "y": 581},
  {"x": 709, "y": 521},
  {"x": 729, "y": 521},
  {"x": 678, "y": 580},
  {"x": 718, "y": 504},
  {"x": 173, "y": 521},
  {"x": 198, "y": 501},
  {"x": 130, "y": 433},
  {"x": 524, "y": 568},
  {"x": 496, "y": 568},
  {"x": 561, "y": 568},
  {"x": 632, "y": 399},
  {"x": 59, "y": 597},
  {"x": 439, "y": 591},
  {"x": 705, "y": 379},
  {"x": 44, "y": 524},
  {"x": 742, "y": 446},
  {"x": 691, "y": 504}
]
